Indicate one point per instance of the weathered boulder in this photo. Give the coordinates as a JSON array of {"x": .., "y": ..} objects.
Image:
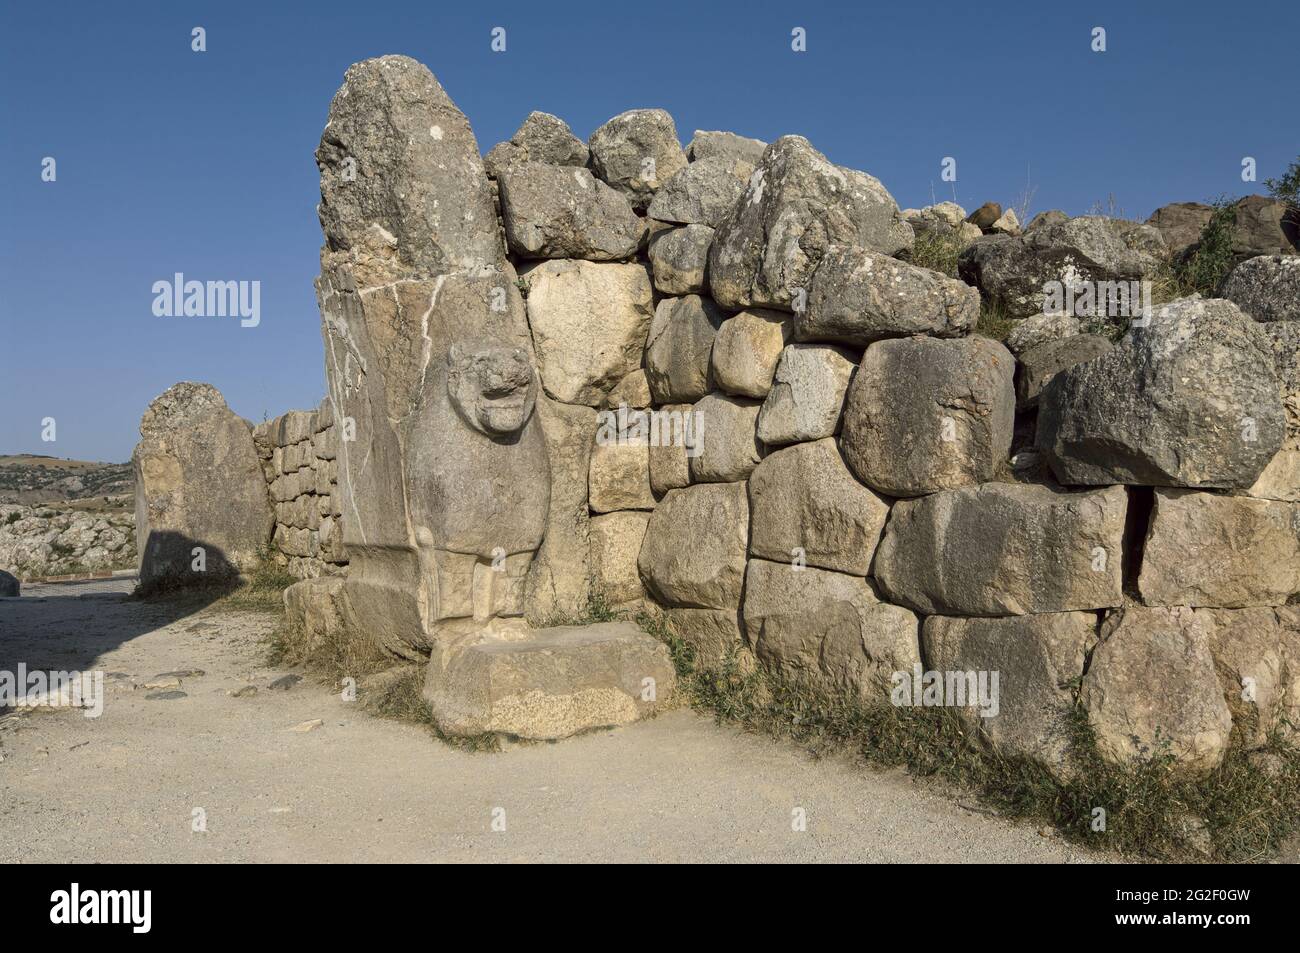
[
  {"x": 827, "y": 630},
  {"x": 807, "y": 394},
  {"x": 694, "y": 550},
  {"x": 398, "y": 155},
  {"x": 984, "y": 216},
  {"x": 1204, "y": 549},
  {"x": 589, "y": 324},
  {"x": 1036, "y": 658},
  {"x": 924, "y": 414},
  {"x": 1181, "y": 224},
  {"x": 1266, "y": 287},
  {"x": 1192, "y": 399},
  {"x": 559, "y": 582},
  {"x": 1264, "y": 226},
  {"x": 796, "y": 205},
  {"x": 553, "y": 211},
  {"x": 1015, "y": 273},
  {"x": 1152, "y": 690},
  {"x": 202, "y": 512},
  {"x": 1040, "y": 364},
  {"x": 701, "y": 193},
  {"x": 636, "y": 152},
  {"x": 746, "y": 350},
  {"x": 615, "y": 543},
  {"x": 1040, "y": 329},
  {"x": 1004, "y": 549},
  {"x": 541, "y": 138},
  {"x": 1050, "y": 217},
  {"x": 805, "y": 505},
  {"x": 705, "y": 144},
  {"x": 1006, "y": 224},
  {"x": 551, "y": 684},
  {"x": 858, "y": 297},
  {"x": 679, "y": 347},
  {"x": 726, "y": 449},
  {"x": 679, "y": 258}
]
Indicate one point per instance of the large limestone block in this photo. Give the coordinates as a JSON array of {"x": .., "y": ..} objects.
[
  {"x": 678, "y": 351},
  {"x": 589, "y": 324},
  {"x": 805, "y": 504},
  {"x": 1181, "y": 224},
  {"x": 827, "y": 629},
  {"x": 1014, "y": 273},
  {"x": 1264, "y": 226},
  {"x": 1203, "y": 549},
  {"x": 553, "y": 211},
  {"x": 924, "y": 414},
  {"x": 1035, "y": 658},
  {"x": 620, "y": 466},
  {"x": 1192, "y": 399},
  {"x": 701, "y": 193},
  {"x": 1152, "y": 690},
  {"x": 1266, "y": 287},
  {"x": 615, "y": 544},
  {"x": 314, "y": 609},
  {"x": 398, "y": 155},
  {"x": 1028, "y": 333},
  {"x": 746, "y": 351},
  {"x": 714, "y": 636},
  {"x": 670, "y": 453},
  {"x": 679, "y": 258},
  {"x": 541, "y": 138},
  {"x": 725, "y": 447},
  {"x": 632, "y": 391},
  {"x": 796, "y": 205},
  {"x": 806, "y": 400},
  {"x": 636, "y": 152},
  {"x": 559, "y": 582},
  {"x": 1249, "y": 650},
  {"x": 549, "y": 683},
  {"x": 859, "y": 296},
  {"x": 694, "y": 550},
  {"x": 1004, "y": 549},
  {"x": 198, "y": 485}
]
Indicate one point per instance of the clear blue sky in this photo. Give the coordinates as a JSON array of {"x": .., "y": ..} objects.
[{"x": 170, "y": 160}]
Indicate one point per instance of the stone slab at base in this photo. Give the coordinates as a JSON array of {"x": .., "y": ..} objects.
[{"x": 549, "y": 683}]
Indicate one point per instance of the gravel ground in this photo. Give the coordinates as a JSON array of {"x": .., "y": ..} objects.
[{"x": 132, "y": 784}]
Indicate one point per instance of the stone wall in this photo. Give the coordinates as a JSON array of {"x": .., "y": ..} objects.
[
  {"x": 299, "y": 454},
  {"x": 714, "y": 382}
]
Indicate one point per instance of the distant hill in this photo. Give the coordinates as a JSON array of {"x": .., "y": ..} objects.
[{"x": 32, "y": 478}]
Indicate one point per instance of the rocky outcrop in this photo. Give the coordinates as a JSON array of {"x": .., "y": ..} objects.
[{"x": 55, "y": 540}]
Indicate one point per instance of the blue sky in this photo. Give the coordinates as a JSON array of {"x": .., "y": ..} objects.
[{"x": 170, "y": 160}]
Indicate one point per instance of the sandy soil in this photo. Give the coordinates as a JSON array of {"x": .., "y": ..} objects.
[{"x": 129, "y": 785}]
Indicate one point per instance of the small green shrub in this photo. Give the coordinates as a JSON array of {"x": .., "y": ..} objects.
[{"x": 1209, "y": 262}]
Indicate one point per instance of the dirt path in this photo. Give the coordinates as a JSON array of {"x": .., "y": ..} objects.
[{"x": 125, "y": 786}]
